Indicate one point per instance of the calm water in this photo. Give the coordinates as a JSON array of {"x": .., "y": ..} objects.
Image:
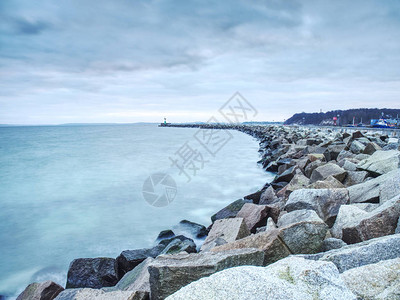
[{"x": 76, "y": 191}]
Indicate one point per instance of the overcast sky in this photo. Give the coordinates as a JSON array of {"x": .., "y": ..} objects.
[{"x": 140, "y": 60}]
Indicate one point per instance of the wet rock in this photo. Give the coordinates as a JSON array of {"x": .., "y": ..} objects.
[
  {"x": 376, "y": 281},
  {"x": 380, "y": 222},
  {"x": 47, "y": 290},
  {"x": 269, "y": 242},
  {"x": 329, "y": 169},
  {"x": 230, "y": 211},
  {"x": 332, "y": 243},
  {"x": 197, "y": 230},
  {"x": 381, "y": 162},
  {"x": 225, "y": 231},
  {"x": 291, "y": 278},
  {"x": 165, "y": 234},
  {"x": 325, "y": 202},
  {"x": 178, "y": 245},
  {"x": 302, "y": 231},
  {"x": 129, "y": 259},
  {"x": 92, "y": 273},
  {"x": 254, "y": 215},
  {"x": 169, "y": 273},
  {"x": 286, "y": 176}
]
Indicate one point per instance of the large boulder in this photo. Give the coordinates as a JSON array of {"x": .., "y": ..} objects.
[
  {"x": 355, "y": 177},
  {"x": 254, "y": 215},
  {"x": 348, "y": 216},
  {"x": 302, "y": 231},
  {"x": 381, "y": 162},
  {"x": 325, "y": 202},
  {"x": 268, "y": 241},
  {"x": 92, "y": 273},
  {"x": 322, "y": 172},
  {"x": 91, "y": 294},
  {"x": 380, "y": 222},
  {"x": 356, "y": 147},
  {"x": 298, "y": 182},
  {"x": 230, "y": 211},
  {"x": 169, "y": 273},
  {"x": 268, "y": 196},
  {"x": 129, "y": 259},
  {"x": 332, "y": 243},
  {"x": 47, "y": 290},
  {"x": 194, "y": 230},
  {"x": 291, "y": 278},
  {"x": 390, "y": 186},
  {"x": 225, "y": 231},
  {"x": 178, "y": 245},
  {"x": 375, "y": 281},
  {"x": 365, "y": 253},
  {"x": 371, "y": 148},
  {"x": 329, "y": 183}
]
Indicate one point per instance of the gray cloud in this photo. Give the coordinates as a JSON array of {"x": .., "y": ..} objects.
[{"x": 137, "y": 58}]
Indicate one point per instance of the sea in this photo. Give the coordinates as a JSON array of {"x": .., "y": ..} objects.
[{"x": 73, "y": 191}]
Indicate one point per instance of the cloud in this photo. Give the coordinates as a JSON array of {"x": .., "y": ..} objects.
[{"x": 110, "y": 56}]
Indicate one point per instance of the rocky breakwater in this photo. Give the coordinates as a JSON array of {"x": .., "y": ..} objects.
[{"x": 327, "y": 227}]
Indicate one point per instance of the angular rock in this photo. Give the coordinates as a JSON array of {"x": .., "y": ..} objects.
[
  {"x": 47, "y": 290},
  {"x": 316, "y": 156},
  {"x": 334, "y": 150},
  {"x": 165, "y": 234},
  {"x": 370, "y": 148},
  {"x": 286, "y": 176},
  {"x": 177, "y": 245},
  {"x": 365, "y": 253},
  {"x": 268, "y": 196},
  {"x": 91, "y": 294},
  {"x": 92, "y": 273},
  {"x": 269, "y": 242},
  {"x": 322, "y": 172},
  {"x": 380, "y": 222},
  {"x": 254, "y": 215},
  {"x": 291, "y": 278},
  {"x": 355, "y": 177},
  {"x": 332, "y": 243},
  {"x": 329, "y": 183},
  {"x": 376, "y": 281},
  {"x": 225, "y": 231},
  {"x": 368, "y": 207},
  {"x": 299, "y": 181},
  {"x": 348, "y": 216},
  {"x": 344, "y": 154},
  {"x": 129, "y": 259},
  {"x": 390, "y": 186},
  {"x": 302, "y": 231},
  {"x": 356, "y": 147},
  {"x": 197, "y": 230},
  {"x": 325, "y": 202},
  {"x": 381, "y": 162},
  {"x": 350, "y": 165},
  {"x": 230, "y": 211},
  {"x": 169, "y": 273}
]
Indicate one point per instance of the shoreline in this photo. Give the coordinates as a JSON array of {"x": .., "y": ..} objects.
[{"x": 318, "y": 171}]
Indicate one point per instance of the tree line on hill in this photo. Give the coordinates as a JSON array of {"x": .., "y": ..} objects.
[{"x": 344, "y": 117}]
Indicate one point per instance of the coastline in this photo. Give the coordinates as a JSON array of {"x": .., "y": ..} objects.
[{"x": 306, "y": 161}]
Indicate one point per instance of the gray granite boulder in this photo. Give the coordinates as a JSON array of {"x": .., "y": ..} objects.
[
  {"x": 325, "y": 202},
  {"x": 356, "y": 147},
  {"x": 376, "y": 281},
  {"x": 322, "y": 172},
  {"x": 379, "y": 222},
  {"x": 302, "y": 231},
  {"x": 47, "y": 290},
  {"x": 332, "y": 243},
  {"x": 381, "y": 162},
  {"x": 290, "y": 278},
  {"x": 348, "y": 216},
  {"x": 225, "y": 231},
  {"x": 96, "y": 294},
  {"x": 92, "y": 273},
  {"x": 361, "y": 254},
  {"x": 268, "y": 241},
  {"x": 370, "y": 148},
  {"x": 169, "y": 273},
  {"x": 355, "y": 177}
]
